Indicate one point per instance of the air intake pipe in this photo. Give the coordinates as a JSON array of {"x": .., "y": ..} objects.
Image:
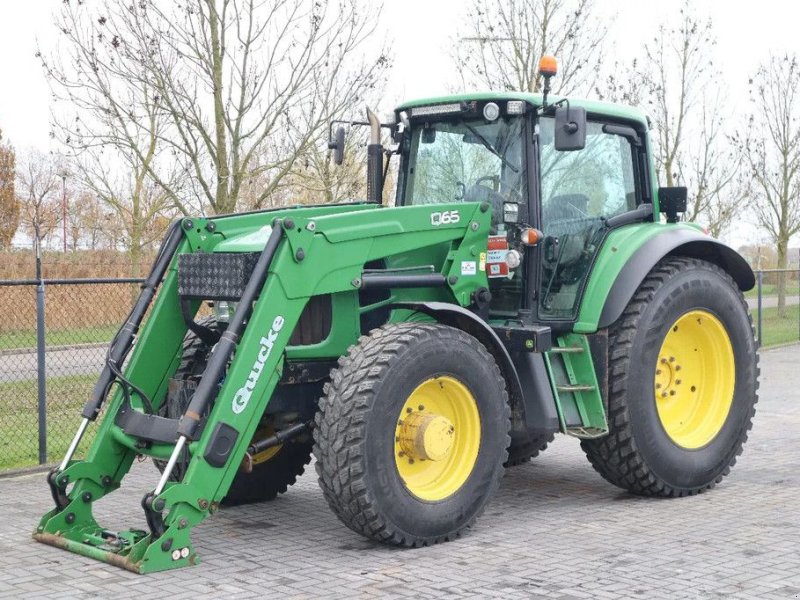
[{"x": 374, "y": 160}]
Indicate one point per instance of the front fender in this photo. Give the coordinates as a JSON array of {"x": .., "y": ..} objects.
[
  {"x": 531, "y": 397},
  {"x": 629, "y": 254}
]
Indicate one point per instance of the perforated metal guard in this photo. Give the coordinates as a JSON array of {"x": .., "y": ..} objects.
[{"x": 217, "y": 276}]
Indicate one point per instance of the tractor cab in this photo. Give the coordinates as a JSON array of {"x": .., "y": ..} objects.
[{"x": 505, "y": 150}]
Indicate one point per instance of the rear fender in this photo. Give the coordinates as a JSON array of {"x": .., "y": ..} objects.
[{"x": 680, "y": 240}]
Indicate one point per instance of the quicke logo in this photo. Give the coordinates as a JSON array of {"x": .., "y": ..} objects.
[{"x": 242, "y": 396}]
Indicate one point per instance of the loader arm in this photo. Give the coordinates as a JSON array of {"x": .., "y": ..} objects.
[{"x": 314, "y": 253}]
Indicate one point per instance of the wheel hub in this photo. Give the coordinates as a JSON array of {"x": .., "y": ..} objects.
[
  {"x": 426, "y": 436},
  {"x": 437, "y": 438}
]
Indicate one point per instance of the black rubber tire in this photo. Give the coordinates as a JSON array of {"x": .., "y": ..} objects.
[
  {"x": 267, "y": 479},
  {"x": 523, "y": 453},
  {"x": 638, "y": 455},
  {"x": 355, "y": 429}
]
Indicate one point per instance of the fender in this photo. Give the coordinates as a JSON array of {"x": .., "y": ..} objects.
[
  {"x": 533, "y": 406},
  {"x": 682, "y": 241}
]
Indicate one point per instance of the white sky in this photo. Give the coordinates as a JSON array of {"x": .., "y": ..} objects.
[{"x": 422, "y": 32}]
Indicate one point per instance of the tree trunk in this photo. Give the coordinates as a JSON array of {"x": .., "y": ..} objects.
[
  {"x": 783, "y": 251},
  {"x": 223, "y": 202}
]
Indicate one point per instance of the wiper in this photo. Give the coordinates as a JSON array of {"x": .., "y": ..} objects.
[{"x": 490, "y": 148}]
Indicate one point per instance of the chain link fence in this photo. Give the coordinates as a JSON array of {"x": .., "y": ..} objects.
[
  {"x": 53, "y": 340},
  {"x": 776, "y": 319},
  {"x": 54, "y": 335}
]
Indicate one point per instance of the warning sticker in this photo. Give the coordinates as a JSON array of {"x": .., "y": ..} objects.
[
  {"x": 496, "y": 256},
  {"x": 482, "y": 263},
  {"x": 468, "y": 267}
]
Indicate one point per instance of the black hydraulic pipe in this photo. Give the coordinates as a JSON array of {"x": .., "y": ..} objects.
[
  {"x": 279, "y": 438},
  {"x": 376, "y": 280},
  {"x": 124, "y": 338},
  {"x": 207, "y": 388}
]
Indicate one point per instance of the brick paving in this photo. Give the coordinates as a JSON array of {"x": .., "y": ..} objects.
[{"x": 555, "y": 530}]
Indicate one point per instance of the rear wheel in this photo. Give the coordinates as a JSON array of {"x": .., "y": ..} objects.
[
  {"x": 273, "y": 470},
  {"x": 682, "y": 384},
  {"x": 411, "y": 436}
]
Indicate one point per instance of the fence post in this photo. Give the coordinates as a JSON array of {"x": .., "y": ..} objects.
[
  {"x": 760, "y": 275},
  {"x": 40, "y": 358}
]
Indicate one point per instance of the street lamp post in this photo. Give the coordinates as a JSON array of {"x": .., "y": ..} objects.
[{"x": 63, "y": 175}]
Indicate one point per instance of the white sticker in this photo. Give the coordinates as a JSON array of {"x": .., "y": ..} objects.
[
  {"x": 494, "y": 270},
  {"x": 468, "y": 267},
  {"x": 497, "y": 256}
]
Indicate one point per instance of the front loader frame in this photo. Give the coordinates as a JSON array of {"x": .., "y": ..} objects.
[{"x": 304, "y": 253}]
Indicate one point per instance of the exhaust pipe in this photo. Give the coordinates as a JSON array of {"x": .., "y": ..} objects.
[{"x": 374, "y": 160}]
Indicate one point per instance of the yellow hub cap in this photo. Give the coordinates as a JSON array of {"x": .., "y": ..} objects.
[
  {"x": 437, "y": 438},
  {"x": 695, "y": 378}
]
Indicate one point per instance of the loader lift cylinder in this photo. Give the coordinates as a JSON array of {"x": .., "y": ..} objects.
[
  {"x": 123, "y": 339},
  {"x": 207, "y": 388}
]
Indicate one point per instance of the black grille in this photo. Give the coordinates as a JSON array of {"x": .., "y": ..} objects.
[{"x": 218, "y": 276}]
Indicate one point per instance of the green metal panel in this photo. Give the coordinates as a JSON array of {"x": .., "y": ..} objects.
[{"x": 617, "y": 249}]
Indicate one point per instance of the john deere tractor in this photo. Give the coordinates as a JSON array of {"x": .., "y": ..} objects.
[{"x": 529, "y": 278}]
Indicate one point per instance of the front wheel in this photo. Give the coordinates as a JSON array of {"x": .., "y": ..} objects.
[
  {"x": 683, "y": 381},
  {"x": 411, "y": 436}
]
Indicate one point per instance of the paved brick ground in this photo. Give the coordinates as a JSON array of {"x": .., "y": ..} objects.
[{"x": 555, "y": 530}]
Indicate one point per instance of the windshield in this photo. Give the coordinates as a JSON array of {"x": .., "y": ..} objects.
[{"x": 469, "y": 160}]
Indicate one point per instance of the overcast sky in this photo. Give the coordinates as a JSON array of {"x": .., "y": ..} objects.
[{"x": 422, "y": 33}]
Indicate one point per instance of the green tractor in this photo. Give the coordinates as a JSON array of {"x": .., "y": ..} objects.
[{"x": 524, "y": 283}]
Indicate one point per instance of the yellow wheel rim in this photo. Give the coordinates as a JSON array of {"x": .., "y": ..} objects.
[
  {"x": 695, "y": 378},
  {"x": 437, "y": 438}
]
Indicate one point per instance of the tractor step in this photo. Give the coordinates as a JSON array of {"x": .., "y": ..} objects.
[{"x": 581, "y": 410}]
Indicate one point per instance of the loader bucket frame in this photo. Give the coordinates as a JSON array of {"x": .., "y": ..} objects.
[{"x": 304, "y": 252}]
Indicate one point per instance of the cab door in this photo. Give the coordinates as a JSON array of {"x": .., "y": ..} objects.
[{"x": 579, "y": 190}]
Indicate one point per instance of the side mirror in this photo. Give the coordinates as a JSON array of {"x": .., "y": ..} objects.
[
  {"x": 671, "y": 201},
  {"x": 337, "y": 145},
  {"x": 570, "y": 128}
]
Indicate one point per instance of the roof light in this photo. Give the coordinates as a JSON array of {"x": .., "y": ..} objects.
[
  {"x": 491, "y": 111},
  {"x": 548, "y": 67},
  {"x": 515, "y": 107},
  {"x": 436, "y": 109}
]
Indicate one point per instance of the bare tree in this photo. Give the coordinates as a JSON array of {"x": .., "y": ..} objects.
[
  {"x": 9, "y": 204},
  {"x": 708, "y": 167},
  {"x": 676, "y": 71},
  {"x": 770, "y": 148},
  {"x": 141, "y": 207},
  {"x": 37, "y": 185},
  {"x": 677, "y": 84},
  {"x": 502, "y": 43},
  {"x": 239, "y": 89}
]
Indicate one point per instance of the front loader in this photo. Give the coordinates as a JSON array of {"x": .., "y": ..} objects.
[{"x": 524, "y": 284}]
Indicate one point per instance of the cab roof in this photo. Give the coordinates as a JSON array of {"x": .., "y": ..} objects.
[{"x": 592, "y": 107}]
